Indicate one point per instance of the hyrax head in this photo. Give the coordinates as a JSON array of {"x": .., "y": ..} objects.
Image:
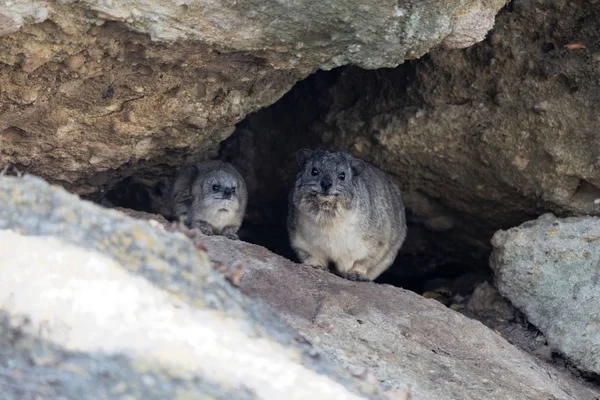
[
  {"x": 218, "y": 186},
  {"x": 327, "y": 173}
]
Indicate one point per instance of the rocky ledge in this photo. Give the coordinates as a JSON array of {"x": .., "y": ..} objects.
[{"x": 99, "y": 304}]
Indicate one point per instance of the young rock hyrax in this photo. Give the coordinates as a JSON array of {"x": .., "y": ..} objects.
[
  {"x": 345, "y": 211},
  {"x": 210, "y": 196}
]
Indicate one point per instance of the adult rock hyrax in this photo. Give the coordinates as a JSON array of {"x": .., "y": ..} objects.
[
  {"x": 345, "y": 211},
  {"x": 210, "y": 196}
]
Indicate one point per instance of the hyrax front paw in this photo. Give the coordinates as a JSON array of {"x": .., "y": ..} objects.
[
  {"x": 355, "y": 276},
  {"x": 317, "y": 266},
  {"x": 358, "y": 272},
  {"x": 309, "y": 260},
  {"x": 203, "y": 227},
  {"x": 230, "y": 233}
]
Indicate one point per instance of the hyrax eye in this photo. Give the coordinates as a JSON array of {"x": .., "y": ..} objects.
[
  {"x": 232, "y": 190},
  {"x": 342, "y": 176},
  {"x": 314, "y": 172},
  {"x": 216, "y": 188}
]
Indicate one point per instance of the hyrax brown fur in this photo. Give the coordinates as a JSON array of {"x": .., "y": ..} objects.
[
  {"x": 210, "y": 196},
  {"x": 345, "y": 211}
]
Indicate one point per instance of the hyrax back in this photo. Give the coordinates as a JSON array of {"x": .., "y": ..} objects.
[
  {"x": 345, "y": 211},
  {"x": 211, "y": 196}
]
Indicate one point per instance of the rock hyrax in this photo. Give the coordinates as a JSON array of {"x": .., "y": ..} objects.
[
  {"x": 210, "y": 196},
  {"x": 345, "y": 211}
]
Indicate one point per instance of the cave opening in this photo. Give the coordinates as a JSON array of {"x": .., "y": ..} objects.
[{"x": 435, "y": 260}]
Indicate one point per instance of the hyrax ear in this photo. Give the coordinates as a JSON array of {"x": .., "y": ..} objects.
[
  {"x": 357, "y": 166},
  {"x": 302, "y": 156}
]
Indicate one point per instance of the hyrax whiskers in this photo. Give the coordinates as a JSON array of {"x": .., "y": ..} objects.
[
  {"x": 345, "y": 211},
  {"x": 210, "y": 196}
]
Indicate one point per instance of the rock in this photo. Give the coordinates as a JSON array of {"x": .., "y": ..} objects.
[
  {"x": 548, "y": 268},
  {"x": 407, "y": 342},
  {"x": 97, "y": 305},
  {"x": 163, "y": 83},
  {"x": 75, "y": 62}
]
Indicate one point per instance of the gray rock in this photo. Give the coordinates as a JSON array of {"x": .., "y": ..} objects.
[
  {"x": 548, "y": 268},
  {"x": 373, "y": 35},
  {"x": 97, "y": 305},
  {"x": 401, "y": 339}
]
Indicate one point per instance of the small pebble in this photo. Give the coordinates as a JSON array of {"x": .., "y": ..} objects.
[
  {"x": 75, "y": 62},
  {"x": 542, "y": 106}
]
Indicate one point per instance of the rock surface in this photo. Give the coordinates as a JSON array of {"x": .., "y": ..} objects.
[
  {"x": 401, "y": 339},
  {"x": 342, "y": 339},
  {"x": 548, "y": 268},
  {"x": 95, "y": 90},
  {"x": 97, "y": 305}
]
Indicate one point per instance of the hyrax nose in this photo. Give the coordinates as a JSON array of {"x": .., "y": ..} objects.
[
  {"x": 326, "y": 183},
  {"x": 227, "y": 193}
]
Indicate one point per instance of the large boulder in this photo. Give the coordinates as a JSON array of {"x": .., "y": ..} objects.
[
  {"x": 96, "y": 305},
  {"x": 404, "y": 341},
  {"x": 548, "y": 268},
  {"x": 95, "y": 90}
]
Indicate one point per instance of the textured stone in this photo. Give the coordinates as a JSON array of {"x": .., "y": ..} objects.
[
  {"x": 96, "y": 304},
  {"x": 125, "y": 86},
  {"x": 406, "y": 342},
  {"x": 548, "y": 268}
]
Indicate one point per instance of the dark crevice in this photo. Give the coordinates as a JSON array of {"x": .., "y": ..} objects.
[{"x": 263, "y": 149}]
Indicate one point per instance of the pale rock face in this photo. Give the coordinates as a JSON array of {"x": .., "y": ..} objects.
[
  {"x": 85, "y": 302},
  {"x": 548, "y": 268},
  {"x": 404, "y": 341},
  {"x": 97, "y": 300}
]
